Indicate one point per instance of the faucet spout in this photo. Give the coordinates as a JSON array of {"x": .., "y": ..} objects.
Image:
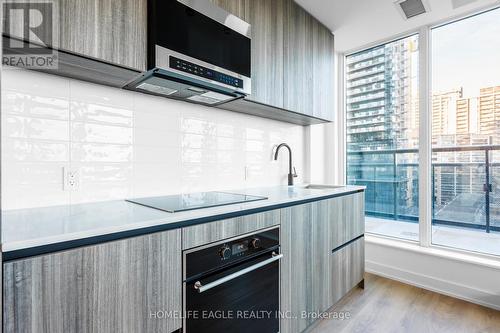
[{"x": 291, "y": 174}]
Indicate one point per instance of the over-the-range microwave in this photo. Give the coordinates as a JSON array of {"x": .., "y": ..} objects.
[{"x": 196, "y": 52}]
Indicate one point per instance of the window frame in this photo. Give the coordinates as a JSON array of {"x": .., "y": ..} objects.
[{"x": 425, "y": 126}]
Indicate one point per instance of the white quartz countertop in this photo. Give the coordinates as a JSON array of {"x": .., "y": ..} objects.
[{"x": 40, "y": 227}]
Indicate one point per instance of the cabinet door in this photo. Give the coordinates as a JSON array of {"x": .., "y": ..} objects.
[
  {"x": 205, "y": 233},
  {"x": 323, "y": 72},
  {"x": 347, "y": 268},
  {"x": 296, "y": 272},
  {"x": 111, "y": 30},
  {"x": 347, "y": 216},
  {"x": 111, "y": 287},
  {"x": 298, "y": 67},
  {"x": 266, "y": 18},
  {"x": 320, "y": 259},
  {"x": 305, "y": 271}
]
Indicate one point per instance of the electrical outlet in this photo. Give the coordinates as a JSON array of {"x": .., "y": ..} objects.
[{"x": 71, "y": 179}]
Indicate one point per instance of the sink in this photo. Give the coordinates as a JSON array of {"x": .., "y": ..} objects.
[{"x": 322, "y": 187}]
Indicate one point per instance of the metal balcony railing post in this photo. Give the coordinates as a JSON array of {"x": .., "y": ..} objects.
[
  {"x": 395, "y": 185},
  {"x": 433, "y": 190},
  {"x": 487, "y": 188}
]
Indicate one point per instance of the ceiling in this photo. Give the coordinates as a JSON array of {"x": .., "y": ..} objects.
[{"x": 357, "y": 23}]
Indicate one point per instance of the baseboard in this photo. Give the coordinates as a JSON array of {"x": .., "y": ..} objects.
[{"x": 447, "y": 288}]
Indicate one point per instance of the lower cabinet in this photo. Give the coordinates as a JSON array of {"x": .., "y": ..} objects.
[
  {"x": 122, "y": 286},
  {"x": 313, "y": 276},
  {"x": 347, "y": 267},
  {"x": 296, "y": 267}
]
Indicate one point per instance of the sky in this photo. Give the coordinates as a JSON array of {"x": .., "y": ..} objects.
[{"x": 467, "y": 54}]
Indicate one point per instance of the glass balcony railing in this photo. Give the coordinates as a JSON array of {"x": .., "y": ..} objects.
[{"x": 465, "y": 182}]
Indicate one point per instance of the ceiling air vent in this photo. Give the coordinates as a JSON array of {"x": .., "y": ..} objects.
[{"x": 411, "y": 8}]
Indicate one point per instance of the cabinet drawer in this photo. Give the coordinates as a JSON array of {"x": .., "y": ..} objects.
[
  {"x": 214, "y": 231},
  {"x": 347, "y": 218},
  {"x": 347, "y": 266},
  {"x": 110, "y": 287}
]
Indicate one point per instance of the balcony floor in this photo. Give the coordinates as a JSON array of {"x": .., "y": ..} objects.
[{"x": 461, "y": 238}]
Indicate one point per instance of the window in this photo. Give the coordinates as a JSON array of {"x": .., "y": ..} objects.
[
  {"x": 382, "y": 134},
  {"x": 466, "y": 133}
]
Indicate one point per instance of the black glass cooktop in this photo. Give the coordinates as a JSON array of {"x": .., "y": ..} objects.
[{"x": 183, "y": 202}]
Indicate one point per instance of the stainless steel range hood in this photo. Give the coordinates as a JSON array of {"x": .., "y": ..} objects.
[{"x": 197, "y": 52}]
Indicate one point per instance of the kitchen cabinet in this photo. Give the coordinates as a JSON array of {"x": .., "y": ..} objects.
[
  {"x": 323, "y": 71},
  {"x": 296, "y": 267},
  {"x": 309, "y": 241},
  {"x": 298, "y": 55},
  {"x": 110, "y": 287},
  {"x": 214, "y": 231},
  {"x": 266, "y": 18},
  {"x": 292, "y": 56},
  {"x": 111, "y": 30},
  {"x": 308, "y": 64},
  {"x": 305, "y": 268},
  {"x": 347, "y": 216},
  {"x": 347, "y": 267}
]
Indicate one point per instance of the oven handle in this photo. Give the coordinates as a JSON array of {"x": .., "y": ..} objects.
[{"x": 201, "y": 288}]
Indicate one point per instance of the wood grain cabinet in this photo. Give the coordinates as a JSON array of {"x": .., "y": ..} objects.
[
  {"x": 296, "y": 267},
  {"x": 267, "y": 20},
  {"x": 347, "y": 267},
  {"x": 292, "y": 56},
  {"x": 205, "y": 233},
  {"x": 111, "y": 287},
  {"x": 298, "y": 60},
  {"x": 347, "y": 216},
  {"x": 313, "y": 275},
  {"x": 111, "y": 30}
]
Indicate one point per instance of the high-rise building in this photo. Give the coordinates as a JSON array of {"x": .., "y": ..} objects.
[
  {"x": 380, "y": 103},
  {"x": 489, "y": 113},
  {"x": 382, "y": 115},
  {"x": 443, "y": 106},
  {"x": 463, "y": 116}
]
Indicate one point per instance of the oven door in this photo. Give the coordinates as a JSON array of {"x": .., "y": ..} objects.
[{"x": 244, "y": 298}]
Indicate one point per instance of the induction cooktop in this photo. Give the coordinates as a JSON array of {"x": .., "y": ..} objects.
[{"x": 191, "y": 201}]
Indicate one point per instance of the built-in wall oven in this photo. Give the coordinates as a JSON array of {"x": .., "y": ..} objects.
[{"x": 233, "y": 285}]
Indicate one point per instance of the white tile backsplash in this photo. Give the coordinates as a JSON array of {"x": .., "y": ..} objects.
[{"x": 127, "y": 144}]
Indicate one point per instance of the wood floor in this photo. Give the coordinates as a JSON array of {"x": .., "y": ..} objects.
[{"x": 388, "y": 306}]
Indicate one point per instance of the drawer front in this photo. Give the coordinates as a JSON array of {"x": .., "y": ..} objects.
[
  {"x": 112, "y": 287},
  {"x": 347, "y": 218},
  {"x": 214, "y": 231},
  {"x": 347, "y": 266}
]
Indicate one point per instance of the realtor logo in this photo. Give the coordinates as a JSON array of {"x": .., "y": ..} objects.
[{"x": 28, "y": 31}]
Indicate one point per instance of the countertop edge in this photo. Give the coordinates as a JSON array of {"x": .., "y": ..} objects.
[{"x": 27, "y": 252}]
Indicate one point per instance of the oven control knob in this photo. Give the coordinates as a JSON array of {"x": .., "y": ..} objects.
[
  {"x": 225, "y": 252},
  {"x": 255, "y": 243}
]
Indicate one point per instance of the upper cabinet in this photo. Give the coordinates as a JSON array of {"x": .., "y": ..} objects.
[
  {"x": 114, "y": 31},
  {"x": 292, "y": 56},
  {"x": 292, "y": 53},
  {"x": 266, "y": 18},
  {"x": 323, "y": 71},
  {"x": 298, "y": 53}
]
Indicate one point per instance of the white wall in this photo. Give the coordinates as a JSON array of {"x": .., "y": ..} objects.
[
  {"x": 127, "y": 144},
  {"x": 464, "y": 276}
]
